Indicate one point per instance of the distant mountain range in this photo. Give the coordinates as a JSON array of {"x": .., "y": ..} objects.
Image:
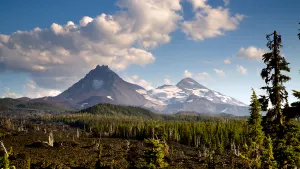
[{"x": 102, "y": 85}]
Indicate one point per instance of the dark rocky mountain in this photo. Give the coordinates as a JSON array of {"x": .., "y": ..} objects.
[{"x": 101, "y": 85}]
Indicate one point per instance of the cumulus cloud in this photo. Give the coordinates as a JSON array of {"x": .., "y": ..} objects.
[
  {"x": 241, "y": 69},
  {"x": 187, "y": 73},
  {"x": 58, "y": 56},
  {"x": 33, "y": 91},
  {"x": 210, "y": 22},
  {"x": 227, "y": 62},
  {"x": 202, "y": 76},
  {"x": 10, "y": 94},
  {"x": 220, "y": 73},
  {"x": 135, "y": 79},
  {"x": 251, "y": 53},
  {"x": 167, "y": 81}
]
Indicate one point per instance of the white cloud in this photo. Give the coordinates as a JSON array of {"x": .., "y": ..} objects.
[
  {"x": 227, "y": 62},
  {"x": 226, "y": 2},
  {"x": 202, "y": 76},
  {"x": 9, "y": 94},
  {"x": 241, "y": 69},
  {"x": 187, "y": 73},
  {"x": 210, "y": 22},
  {"x": 167, "y": 81},
  {"x": 67, "y": 52},
  {"x": 135, "y": 79},
  {"x": 85, "y": 21},
  {"x": 220, "y": 73},
  {"x": 251, "y": 53},
  {"x": 33, "y": 91}
]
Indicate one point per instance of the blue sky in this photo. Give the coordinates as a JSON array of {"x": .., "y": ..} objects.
[{"x": 154, "y": 42}]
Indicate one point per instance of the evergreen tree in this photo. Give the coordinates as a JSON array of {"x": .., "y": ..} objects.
[
  {"x": 254, "y": 121},
  {"x": 284, "y": 133},
  {"x": 274, "y": 78},
  {"x": 256, "y": 135}
]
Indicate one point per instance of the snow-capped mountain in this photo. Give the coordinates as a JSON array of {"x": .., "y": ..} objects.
[
  {"x": 102, "y": 85},
  {"x": 189, "y": 95}
]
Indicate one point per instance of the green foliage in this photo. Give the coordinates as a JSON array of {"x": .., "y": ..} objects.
[
  {"x": 23, "y": 105},
  {"x": 274, "y": 77},
  {"x": 268, "y": 155},
  {"x": 255, "y": 129},
  {"x": 155, "y": 153},
  {"x": 287, "y": 151},
  {"x": 4, "y": 161},
  {"x": 283, "y": 131},
  {"x": 214, "y": 134},
  {"x": 255, "y": 140},
  {"x": 116, "y": 110}
]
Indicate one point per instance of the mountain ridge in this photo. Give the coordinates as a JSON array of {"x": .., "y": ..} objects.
[{"x": 102, "y": 85}]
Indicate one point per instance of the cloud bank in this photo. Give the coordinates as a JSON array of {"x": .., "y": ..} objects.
[{"x": 60, "y": 55}]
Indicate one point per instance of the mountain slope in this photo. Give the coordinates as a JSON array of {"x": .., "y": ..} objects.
[
  {"x": 101, "y": 85},
  {"x": 189, "y": 95},
  {"x": 116, "y": 110},
  {"x": 27, "y": 104}
]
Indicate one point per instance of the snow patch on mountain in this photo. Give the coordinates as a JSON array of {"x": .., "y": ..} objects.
[
  {"x": 192, "y": 83},
  {"x": 141, "y": 91},
  {"x": 171, "y": 94},
  {"x": 83, "y": 104},
  {"x": 109, "y": 97},
  {"x": 223, "y": 111},
  {"x": 208, "y": 98},
  {"x": 97, "y": 84}
]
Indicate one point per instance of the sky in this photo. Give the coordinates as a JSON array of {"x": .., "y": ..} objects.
[{"x": 46, "y": 46}]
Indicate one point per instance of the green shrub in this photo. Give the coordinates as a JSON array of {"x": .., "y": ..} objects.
[{"x": 154, "y": 154}]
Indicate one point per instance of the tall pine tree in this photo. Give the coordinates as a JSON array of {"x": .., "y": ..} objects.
[
  {"x": 284, "y": 133},
  {"x": 274, "y": 79}
]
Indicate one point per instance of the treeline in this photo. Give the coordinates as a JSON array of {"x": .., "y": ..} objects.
[
  {"x": 212, "y": 135},
  {"x": 116, "y": 110},
  {"x": 19, "y": 104}
]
